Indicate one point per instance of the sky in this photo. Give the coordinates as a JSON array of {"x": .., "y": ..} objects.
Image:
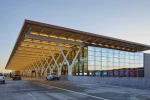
[{"x": 123, "y": 19}]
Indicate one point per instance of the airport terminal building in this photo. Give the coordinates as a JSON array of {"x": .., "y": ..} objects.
[{"x": 42, "y": 48}]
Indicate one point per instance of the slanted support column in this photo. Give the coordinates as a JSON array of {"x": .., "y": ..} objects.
[
  {"x": 60, "y": 67},
  {"x": 36, "y": 69},
  {"x": 69, "y": 66},
  {"x": 41, "y": 65},
  {"x": 75, "y": 59},
  {"x": 49, "y": 65},
  {"x": 64, "y": 58},
  {"x": 53, "y": 58},
  {"x": 45, "y": 71}
]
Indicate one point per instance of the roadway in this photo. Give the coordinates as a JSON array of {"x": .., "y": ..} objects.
[{"x": 40, "y": 89}]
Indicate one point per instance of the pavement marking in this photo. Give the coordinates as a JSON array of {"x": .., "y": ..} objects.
[
  {"x": 73, "y": 91},
  {"x": 31, "y": 95}
]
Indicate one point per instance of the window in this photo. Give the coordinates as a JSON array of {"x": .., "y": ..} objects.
[
  {"x": 97, "y": 63},
  {"x": 91, "y": 53},
  {"x": 90, "y": 48},
  {"x": 97, "y": 49},
  {"x": 110, "y": 64},
  {"x": 104, "y": 50},
  {"x": 122, "y": 56},
  {"x": 104, "y": 64},
  {"x": 104, "y": 54},
  {"x": 110, "y": 50},
  {"x": 104, "y": 59},
  {"x": 91, "y": 63},
  {"x": 98, "y": 54},
  {"x": 97, "y": 58},
  {"x": 97, "y": 67},
  {"x": 116, "y": 51},
  {"x": 116, "y": 55},
  {"x": 91, "y": 58},
  {"x": 90, "y": 67},
  {"x": 110, "y": 55},
  {"x": 109, "y": 59}
]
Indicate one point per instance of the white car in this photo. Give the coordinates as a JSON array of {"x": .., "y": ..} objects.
[
  {"x": 2, "y": 78},
  {"x": 52, "y": 76}
]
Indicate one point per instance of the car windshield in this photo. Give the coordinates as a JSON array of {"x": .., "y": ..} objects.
[{"x": 1, "y": 74}]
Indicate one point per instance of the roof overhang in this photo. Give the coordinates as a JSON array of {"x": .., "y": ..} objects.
[{"x": 36, "y": 37}]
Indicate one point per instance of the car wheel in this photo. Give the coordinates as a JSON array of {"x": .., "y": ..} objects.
[
  {"x": 57, "y": 78},
  {"x": 3, "y": 82}
]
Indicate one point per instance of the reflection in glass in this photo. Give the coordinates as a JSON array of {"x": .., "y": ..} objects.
[{"x": 110, "y": 59}]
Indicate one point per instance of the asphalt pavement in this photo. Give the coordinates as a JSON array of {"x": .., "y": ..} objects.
[{"x": 40, "y": 89}]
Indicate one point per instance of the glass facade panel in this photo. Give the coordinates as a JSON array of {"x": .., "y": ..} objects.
[{"x": 104, "y": 59}]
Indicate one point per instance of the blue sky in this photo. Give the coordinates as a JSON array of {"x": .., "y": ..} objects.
[{"x": 124, "y": 19}]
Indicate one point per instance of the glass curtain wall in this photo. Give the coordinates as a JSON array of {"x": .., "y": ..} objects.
[
  {"x": 110, "y": 62},
  {"x": 81, "y": 65}
]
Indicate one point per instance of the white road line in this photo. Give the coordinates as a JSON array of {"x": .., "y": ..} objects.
[
  {"x": 31, "y": 95},
  {"x": 73, "y": 91}
]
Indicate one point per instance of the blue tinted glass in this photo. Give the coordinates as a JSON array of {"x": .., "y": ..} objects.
[
  {"x": 97, "y": 73},
  {"x": 122, "y": 56},
  {"x": 116, "y": 59},
  {"x": 98, "y": 54},
  {"x": 91, "y": 53},
  {"x": 110, "y": 50},
  {"x": 104, "y": 50},
  {"x": 104, "y": 63},
  {"x": 97, "y": 49},
  {"x": 116, "y": 72},
  {"x": 90, "y": 57},
  {"x": 104, "y": 58},
  {"x": 110, "y": 59},
  {"x": 91, "y": 62},
  {"x": 104, "y": 54},
  {"x": 122, "y": 73},
  {"x": 110, "y": 64},
  {"x": 116, "y": 55},
  {"x": 116, "y": 51},
  {"x": 97, "y": 63},
  {"x": 126, "y": 73},
  {"x": 104, "y": 73},
  {"x": 90, "y": 48},
  {"x": 98, "y": 59}
]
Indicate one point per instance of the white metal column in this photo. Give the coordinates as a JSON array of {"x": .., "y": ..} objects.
[
  {"x": 64, "y": 58},
  {"x": 53, "y": 57},
  {"x": 69, "y": 66}
]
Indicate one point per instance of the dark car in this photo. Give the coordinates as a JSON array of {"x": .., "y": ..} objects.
[{"x": 16, "y": 77}]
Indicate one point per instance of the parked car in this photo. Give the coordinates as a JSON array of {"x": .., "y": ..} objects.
[
  {"x": 16, "y": 77},
  {"x": 2, "y": 78},
  {"x": 52, "y": 76}
]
